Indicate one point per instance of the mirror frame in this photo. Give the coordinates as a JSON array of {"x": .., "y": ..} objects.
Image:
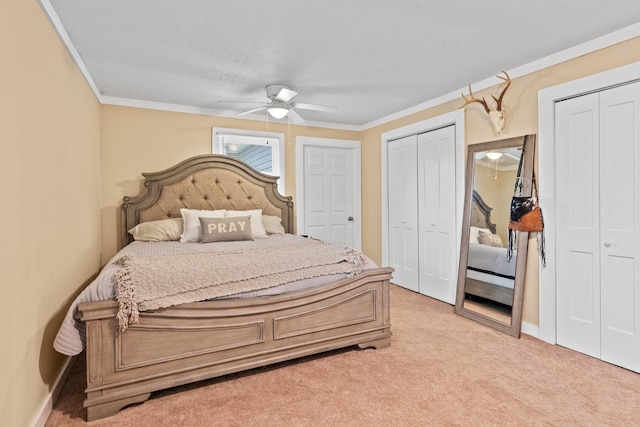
[{"x": 522, "y": 237}]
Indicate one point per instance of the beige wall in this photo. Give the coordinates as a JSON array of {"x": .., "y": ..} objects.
[
  {"x": 497, "y": 193},
  {"x": 521, "y": 105},
  {"x": 50, "y": 170},
  {"x": 136, "y": 140}
]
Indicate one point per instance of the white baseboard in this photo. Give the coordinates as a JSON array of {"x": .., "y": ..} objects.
[
  {"x": 40, "y": 418},
  {"x": 530, "y": 329}
]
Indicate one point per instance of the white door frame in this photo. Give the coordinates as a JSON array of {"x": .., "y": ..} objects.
[
  {"x": 455, "y": 118},
  {"x": 309, "y": 141},
  {"x": 547, "y": 179}
]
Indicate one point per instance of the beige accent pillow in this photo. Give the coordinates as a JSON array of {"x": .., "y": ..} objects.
[
  {"x": 226, "y": 229},
  {"x": 490, "y": 239},
  {"x": 256, "y": 221},
  {"x": 272, "y": 224},
  {"x": 163, "y": 230},
  {"x": 474, "y": 235},
  {"x": 192, "y": 232}
]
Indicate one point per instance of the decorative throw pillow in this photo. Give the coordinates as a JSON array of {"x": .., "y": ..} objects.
[
  {"x": 272, "y": 224},
  {"x": 474, "y": 236},
  {"x": 490, "y": 239},
  {"x": 192, "y": 232},
  {"x": 256, "y": 221},
  {"x": 163, "y": 230},
  {"x": 226, "y": 229}
]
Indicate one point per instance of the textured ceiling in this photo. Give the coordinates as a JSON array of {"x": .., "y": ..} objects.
[{"x": 370, "y": 58}]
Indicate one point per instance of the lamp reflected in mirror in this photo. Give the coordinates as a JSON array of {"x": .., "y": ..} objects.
[{"x": 491, "y": 284}]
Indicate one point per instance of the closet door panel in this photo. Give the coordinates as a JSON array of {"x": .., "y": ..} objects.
[
  {"x": 620, "y": 219},
  {"x": 403, "y": 211},
  {"x": 577, "y": 216},
  {"x": 436, "y": 208}
]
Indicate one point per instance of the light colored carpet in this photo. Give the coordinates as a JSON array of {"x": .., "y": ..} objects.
[{"x": 441, "y": 370}]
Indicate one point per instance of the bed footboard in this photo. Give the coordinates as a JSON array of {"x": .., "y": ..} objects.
[
  {"x": 489, "y": 291},
  {"x": 197, "y": 341}
]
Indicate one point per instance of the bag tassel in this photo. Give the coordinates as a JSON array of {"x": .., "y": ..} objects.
[
  {"x": 512, "y": 235},
  {"x": 541, "y": 244},
  {"x": 541, "y": 248}
]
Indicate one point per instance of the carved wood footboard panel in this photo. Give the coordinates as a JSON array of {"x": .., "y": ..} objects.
[{"x": 197, "y": 341}]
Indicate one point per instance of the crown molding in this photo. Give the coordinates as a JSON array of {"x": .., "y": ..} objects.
[
  {"x": 590, "y": 46},
  {"x": 607, "y": 40}
]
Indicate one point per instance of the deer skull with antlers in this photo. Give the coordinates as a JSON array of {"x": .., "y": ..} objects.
[{"x": 496, "y": 116}]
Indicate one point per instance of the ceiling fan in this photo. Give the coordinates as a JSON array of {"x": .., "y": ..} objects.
[{"x": 280, "y": 105}]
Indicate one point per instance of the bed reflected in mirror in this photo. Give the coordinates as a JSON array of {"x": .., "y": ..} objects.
[{"x": 491, "y": 282}]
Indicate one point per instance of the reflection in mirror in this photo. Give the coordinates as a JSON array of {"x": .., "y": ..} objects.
[{"x": 490, "y": 286}]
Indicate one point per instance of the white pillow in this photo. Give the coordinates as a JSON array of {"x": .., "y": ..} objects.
[
  {"x": 256, "y": 221},
  {"x": 272, "y": 224},
  {"x": 192, "y": 232},
  {"x": 158, "y": 231},
  {"x": 474, "y": 236}
]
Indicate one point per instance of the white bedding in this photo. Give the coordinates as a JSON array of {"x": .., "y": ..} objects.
[
  {"x": 70, "y": 339},
  {"x": 491, "y": 259},
  {"x": 490, "y": 278}
]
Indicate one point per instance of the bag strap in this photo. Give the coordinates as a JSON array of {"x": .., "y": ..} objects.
[
  {"x": 518, "y": 183},
  {"x": 535, "y": 185}
]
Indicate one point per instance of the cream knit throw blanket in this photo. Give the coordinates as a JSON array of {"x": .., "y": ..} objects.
[{"x": 148, "y": 283}]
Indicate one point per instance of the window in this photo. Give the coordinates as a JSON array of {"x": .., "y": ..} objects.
[{"x": 263, "y": 151}]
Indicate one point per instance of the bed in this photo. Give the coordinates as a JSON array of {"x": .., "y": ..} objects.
[
  {"x": 194, "y": 341},
  {"x": 489, "y": 274}
]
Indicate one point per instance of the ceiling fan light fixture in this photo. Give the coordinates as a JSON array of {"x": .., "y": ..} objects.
[{"x": 278, "y": 112}]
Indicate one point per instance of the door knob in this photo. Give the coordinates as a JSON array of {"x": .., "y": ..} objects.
[
  {"x": 350, "y": 218},
  {"x": 607, "y": 243}
]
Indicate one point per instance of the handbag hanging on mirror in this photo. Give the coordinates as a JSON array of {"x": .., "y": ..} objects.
[{"x": 526, "y": 214}]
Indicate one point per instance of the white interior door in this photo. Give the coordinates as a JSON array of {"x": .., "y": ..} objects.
[
  {"x": 437, "y": 214},
  {"x": 598, "y": 216},
  {"x": 403, "y": 211},
  {"x": 620, "y": 225},
  {"x": 578, "y": 224},
  {"x": 329, "y": 193}
]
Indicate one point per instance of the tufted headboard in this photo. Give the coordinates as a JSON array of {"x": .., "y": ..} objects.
[
  {"x": 208, "y": 181},
  {"x": 481, "y": 213}
]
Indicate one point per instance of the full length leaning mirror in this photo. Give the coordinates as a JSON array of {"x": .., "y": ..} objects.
[{"x": 490, "y": 287}]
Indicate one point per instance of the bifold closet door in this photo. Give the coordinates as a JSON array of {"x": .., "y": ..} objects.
[
  {"x": 403, "y": 211},
  {"x": 598, "y": 224},
  {"x": 437, "y": 213},
  {"x": 578, "y": 224},
  {"x": 620, "y": 225}
]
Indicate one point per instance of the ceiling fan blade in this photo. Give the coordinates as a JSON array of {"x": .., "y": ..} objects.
[
  {"x": 286, "y": 94},
  {"x": 242, "y": 102},
  {"x": 295, "y": 117},
  {"x": 315, "y": 107},
  {"x": 254, "y": 110}
]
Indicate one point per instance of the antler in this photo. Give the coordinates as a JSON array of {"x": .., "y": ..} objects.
[
  {"x": 499, "y": 99},
  {"x": 483, "y": 101},
  {"x": 496, "y": 116},
  {"x": 474, "y": 99}
]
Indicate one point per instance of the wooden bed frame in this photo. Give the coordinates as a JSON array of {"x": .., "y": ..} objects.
[
  {"x": 197, "y": 341},
  {"x": 481, "y": 217}
]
